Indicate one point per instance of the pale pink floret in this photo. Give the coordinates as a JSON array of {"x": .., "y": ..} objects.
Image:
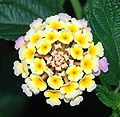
[
  {"x": 64, "y": 16},
  {"x": 26, "y": 90},
  {"x": 19, "y": 42},
  {"x": 103, "y": 65},
  {"x": 83, "y": 23}
]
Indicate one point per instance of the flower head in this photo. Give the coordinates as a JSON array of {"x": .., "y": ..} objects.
[{"x": 58, "y": 56}]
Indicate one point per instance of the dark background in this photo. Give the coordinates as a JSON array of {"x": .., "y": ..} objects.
[{"x": 13, "y": 100}]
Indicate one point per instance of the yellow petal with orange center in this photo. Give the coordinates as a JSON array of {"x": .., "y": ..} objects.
[
  {"x": 73, "y": 28},
  {"x": 56, "y": 25},
  {"x": 38, "y": 82},
  {"x": 51, "y": 36},
  {"x": 65, "y": 37},
  {"x": 55, "y": 82},
  {"x": 44, "y": 47},
  {"x": 34, "y": 39},
  {"x": 29, "y": 53},
  {"x": 77, "y": 52}
]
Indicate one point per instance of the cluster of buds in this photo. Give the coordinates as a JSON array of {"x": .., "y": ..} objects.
[{"x": 58, "y": 56}]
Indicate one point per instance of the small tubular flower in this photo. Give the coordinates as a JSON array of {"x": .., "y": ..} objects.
[
  {"x": 65, "y": 37},
  {"x": 70, "y": 90},
  {"x": 29, "y": 54},
  {"x": 76, "y": 100},
  {"x": 44, "y": 47},
  {"x": 53, "y": 96},
  {"x": 96, "y": 50},
  {"x": 34, "y": 38},
  {"x": 38, "y": 66},
  {"x": 26, "y": 90},
  {"x": 51, "y": 36},
  {"x": 103, "y": 65},
  {"x": 73, "y": 28},
  {"x": 87, "y": 82},
  {"x": 74, "y": 73},
  {"x": 58, "y": 56},
  {"x": 35, "y": 83},
  {"x": 55, "y": 82},
  {"x": 89, "y": 64},
  {"x": 83, "y": 39},
  {"x": 56, "y": 24},
  {"x": 21, "y": 68},
  {"x": 76, "y": 52},
  {"x": 19, "y": 42}
]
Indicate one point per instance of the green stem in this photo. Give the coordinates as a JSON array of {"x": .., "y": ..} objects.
[
  {"x": 117, "y": 88},
  {"x": 77, "y": 8}
]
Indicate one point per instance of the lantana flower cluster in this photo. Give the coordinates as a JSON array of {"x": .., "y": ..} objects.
[{"x": 58, "y": 57}]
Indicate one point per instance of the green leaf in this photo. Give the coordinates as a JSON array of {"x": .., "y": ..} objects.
[
  {"x": 114, "y": 114},
  {"x": 104, "y": 19},
  {"x": 16, "y": 15},
  {"x": 109, "y": 98}
]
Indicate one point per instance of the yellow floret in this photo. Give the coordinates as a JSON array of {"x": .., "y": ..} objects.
[
  {"x": 51, "y": 36},
  {"x": 73, "y": 28},
  {"x": 65, "y": 37},
  {"x": 34, "y": 39},
  {"x": 69, "y": 90},
  {"x": 87, "y": 82},
  {"x": 29, "y": 54},
  {"x": 56, "y": 24},
  {"x": 21, "y": 68},
  {"x": 74, "y": 73},
  {"x": 38, "y": 82},
  {"x": 87, "y": 64},
  {"x": 54, "y": 97},
  {"x": 83, "y": 39},
  {"x": 44, "y": 47},
  {"x": 96, "y": 50},
  {"x": 55, "y": 82},
  {"x": 38, "y": 66},
  {"x": 77, "y": 52}
]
